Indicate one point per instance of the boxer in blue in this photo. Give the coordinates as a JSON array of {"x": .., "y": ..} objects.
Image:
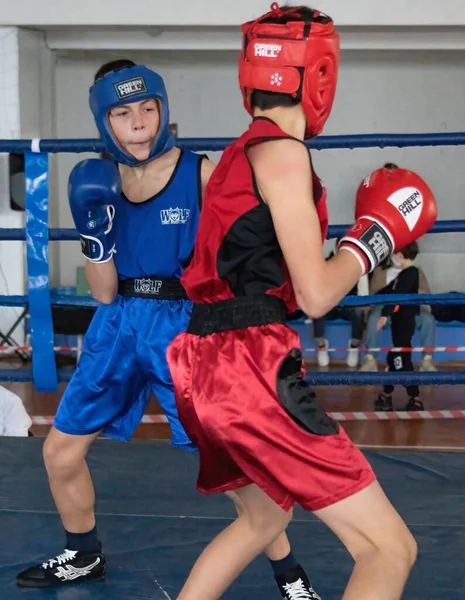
[{"x": 137, "y": 216}]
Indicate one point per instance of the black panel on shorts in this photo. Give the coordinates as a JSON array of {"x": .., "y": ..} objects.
[{"x": 298, "y": 399}]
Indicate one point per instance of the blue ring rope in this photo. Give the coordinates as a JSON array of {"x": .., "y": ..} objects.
[
  {"x": 334, "y": 231},
  {"x": 324, "y": 142},
  {"x": 385, "y": 378},
  {"x": 390, "y": 299},
  {"x": 14, "y": 301},
  {"x": 376, "y": 299},
  {"x": 333, "y": 378},
  {"x": 27, "y": 375}
]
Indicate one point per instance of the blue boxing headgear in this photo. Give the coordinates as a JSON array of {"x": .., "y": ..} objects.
[{"x": 131, "y": 84}]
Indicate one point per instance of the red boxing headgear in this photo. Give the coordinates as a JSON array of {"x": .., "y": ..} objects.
[{"x": 299, "y": 58}]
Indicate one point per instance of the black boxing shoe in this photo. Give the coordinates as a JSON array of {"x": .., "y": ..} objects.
[
  {"x": 414, "y": 404},
  {"x": 383, "y": 403},
  {"x": 70, "y": 567},
  {"x": 295, "y": 585}
]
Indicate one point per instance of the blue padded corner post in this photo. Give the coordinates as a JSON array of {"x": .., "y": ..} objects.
[{"x": 43, "y": 355}]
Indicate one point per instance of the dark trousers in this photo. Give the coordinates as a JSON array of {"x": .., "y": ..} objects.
[
  {"x": 402, "y": 331},
  {"x": 348, "y": 313}
]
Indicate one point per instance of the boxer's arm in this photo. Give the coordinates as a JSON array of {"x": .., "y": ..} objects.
[
  {"x": 283, "y": 175},
  {"x": 103, "y": 281},
  {"x": 206, "y": 172},
  {"x": 93, "y": 187}
]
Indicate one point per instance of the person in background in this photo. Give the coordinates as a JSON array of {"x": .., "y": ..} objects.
[
  {"x": 425, "y": 322},
  {"x": 354, "y": 314},
  {"x": 402, "y": 326},
  {"x": 14, "y": 419}
]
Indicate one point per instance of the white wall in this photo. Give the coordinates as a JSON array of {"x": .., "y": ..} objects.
[
  {"x": 378, "y": 91},
  {"x": 220, "y": 12},
  {"x": 12, "y": 276},
  {"x": 37, "y": 111},
  {"x": 26, "y": 90}
]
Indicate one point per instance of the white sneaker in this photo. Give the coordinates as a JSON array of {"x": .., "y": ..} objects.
[
  {"x": 352, "y": 357},
  {"x": 322, "y": 354},
  {"x": 369, "y": 364},
  {"x": 427, "y": 363}
]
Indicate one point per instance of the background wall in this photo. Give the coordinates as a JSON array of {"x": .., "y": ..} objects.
[
  {"x": 213, "y": 12},
  {"x": 11, "y": 253},
  {"x": 378, "y": 91},
  {"x": 401, "y": 71},
  {"x": 27, "y": 93}
]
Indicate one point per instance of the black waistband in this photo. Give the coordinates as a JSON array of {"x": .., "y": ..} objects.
[
  {"x": 236, "y": 313},
  {"x": 153, "y": 287}
]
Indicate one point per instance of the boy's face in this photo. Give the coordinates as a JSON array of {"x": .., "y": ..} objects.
[
  {"x": 135, "y": 126},
  {"x": 398, "y": 260}
]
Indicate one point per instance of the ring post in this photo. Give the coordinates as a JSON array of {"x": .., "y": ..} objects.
[{"x": 43, "y": 356}]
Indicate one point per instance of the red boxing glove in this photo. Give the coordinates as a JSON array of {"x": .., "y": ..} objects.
[{"x": 393, "y": 208}]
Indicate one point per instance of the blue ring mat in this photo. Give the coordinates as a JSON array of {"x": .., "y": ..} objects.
[{"x": 154, "y": 524}]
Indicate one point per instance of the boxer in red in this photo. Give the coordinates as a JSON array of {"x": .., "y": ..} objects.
[{"x": 262, "y": 435}]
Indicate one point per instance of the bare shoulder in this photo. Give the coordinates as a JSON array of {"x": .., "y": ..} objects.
[
  {"x": 206, "y": 170},
  {"x": 282, "y": 171},
  {"x": 279, "y": 159}
]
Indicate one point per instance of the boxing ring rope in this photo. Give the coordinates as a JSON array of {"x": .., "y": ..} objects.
[
  {"x": 391, "y": 299},
  {"x": 323, "y": 142},
  {"x": 334, "y": 231},
  {"x": 330, "y": 378},
  {"x": 37, "y": 235}
]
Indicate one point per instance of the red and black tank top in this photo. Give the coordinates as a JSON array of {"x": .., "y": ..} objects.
[{"x": 236, "y": 250}]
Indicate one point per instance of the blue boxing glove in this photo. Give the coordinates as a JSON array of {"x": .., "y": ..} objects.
[{"x": 93, "y": 186}]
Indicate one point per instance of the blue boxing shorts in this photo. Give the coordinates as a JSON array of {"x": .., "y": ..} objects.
[{"x": 123, "y": 359}]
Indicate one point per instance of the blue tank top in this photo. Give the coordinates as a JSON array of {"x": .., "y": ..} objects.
[{"x": 156, "y": 237}]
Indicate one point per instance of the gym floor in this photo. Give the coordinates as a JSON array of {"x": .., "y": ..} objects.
[{"x": 154, "y": 523}]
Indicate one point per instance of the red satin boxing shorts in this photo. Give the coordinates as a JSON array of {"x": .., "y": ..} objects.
[{"x": 242, "y": 400}]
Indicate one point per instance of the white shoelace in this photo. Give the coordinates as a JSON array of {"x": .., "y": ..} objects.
[
  {"x": 297, "y": 591},
  {"x": 61, "y": 559},
  {"x": 111, "y": 216}
]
